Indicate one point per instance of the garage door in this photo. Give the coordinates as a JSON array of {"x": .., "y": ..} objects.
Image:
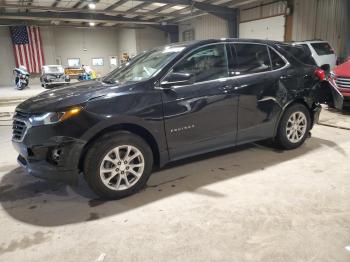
[{"x": 272, "y": 28}]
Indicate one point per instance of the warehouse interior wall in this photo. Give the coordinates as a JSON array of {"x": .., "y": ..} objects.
[
  {"x": 7, "y": 60},
  {"x": 321, "y": 19},
  {"x": 59, "y": 44},
  {"x": 126, "y": 42},
  {"x": 148, "y": 37},
  {"x": 204, "y": 27},
  {"x": 85, "y": 44}
]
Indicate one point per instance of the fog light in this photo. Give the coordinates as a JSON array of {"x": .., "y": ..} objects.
[{"x": 56, "y": 155}]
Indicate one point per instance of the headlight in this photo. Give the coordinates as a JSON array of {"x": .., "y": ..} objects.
[{"x": 53, "y": 117}]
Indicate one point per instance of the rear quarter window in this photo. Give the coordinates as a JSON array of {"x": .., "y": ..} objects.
[
  {"x": 323, "y": 48},
  {"x": 300, "y": 53}
]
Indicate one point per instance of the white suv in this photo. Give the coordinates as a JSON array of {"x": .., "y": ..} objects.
[{"x": 321, "y": 51}]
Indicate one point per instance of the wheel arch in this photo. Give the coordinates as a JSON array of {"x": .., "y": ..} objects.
[
  {"x": 309, "y": 106},
  {"x": 132, "y": 128}
]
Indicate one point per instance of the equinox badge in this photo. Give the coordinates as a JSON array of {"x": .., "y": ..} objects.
[{"x": 174, "y": 130}]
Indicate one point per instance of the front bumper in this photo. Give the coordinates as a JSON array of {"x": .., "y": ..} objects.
[{"x": 43, "y": 161}]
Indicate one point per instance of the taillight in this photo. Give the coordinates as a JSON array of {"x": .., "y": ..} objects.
[{"x": 320, "y": 74}]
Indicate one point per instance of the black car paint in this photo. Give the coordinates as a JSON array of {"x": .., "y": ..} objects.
[{"x": 177, "y": 122}]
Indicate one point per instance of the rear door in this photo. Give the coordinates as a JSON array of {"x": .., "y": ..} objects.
[
  {"x": 258, "y": 90},
  {"x": 201, "y": 115}
]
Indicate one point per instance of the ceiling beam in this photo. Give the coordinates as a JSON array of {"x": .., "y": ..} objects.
[
  {"x": 180, "y": 16},
  {"x": 138, "y": 7},
  {"x": 79, "y": 3},
  {"x": 178, "y": 13},
  {"x": 213, "y": 9},
  {"x": 72, "y": 16},
  {"x": 116, "y": 4},
  {"x": 56, "y": 3},
  {"x": 5, "y": 22},
  {"x": 175, "y": 2},
  {"x": 77, "y": 10}
]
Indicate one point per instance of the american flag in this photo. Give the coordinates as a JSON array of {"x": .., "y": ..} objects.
[{"x": 27, "y": 47}]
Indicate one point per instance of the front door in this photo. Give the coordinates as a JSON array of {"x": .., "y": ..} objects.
[{"x": 201, "y": 114}]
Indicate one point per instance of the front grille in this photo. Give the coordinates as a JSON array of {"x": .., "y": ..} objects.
[
  {"x": 19, "y": 129},
  {"x": 343, "y": 82},
  {"x": 19, "y": 126}
]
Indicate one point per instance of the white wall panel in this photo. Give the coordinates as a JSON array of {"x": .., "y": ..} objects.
[
  {"x": 205, "y": 27},
  {"x": 272, "y": 28}
]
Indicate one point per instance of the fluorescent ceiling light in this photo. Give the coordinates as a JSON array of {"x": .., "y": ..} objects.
[
  {"x": 178, "y": 7},
  {"x": 159, "y": 4},
  {"x": 92, "y": 5}
]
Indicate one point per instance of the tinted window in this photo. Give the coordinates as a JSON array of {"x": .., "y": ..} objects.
[
  {"x": 251, "y": 58},
  {"x": 276, "y": 61},
  {"x": 323, "y": 48},
  {"x": 205, "y": 63},
  {"x": 299, "y": 53}
]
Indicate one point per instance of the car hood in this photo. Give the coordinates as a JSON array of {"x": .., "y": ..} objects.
[
  {"x": 60, "y": 98},
  {"x": 343, "y": 70}
]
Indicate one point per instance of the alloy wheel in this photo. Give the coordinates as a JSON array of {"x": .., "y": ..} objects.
[
  {"x": 122, "y": 167},
  {"x": 296, "y": 127}
]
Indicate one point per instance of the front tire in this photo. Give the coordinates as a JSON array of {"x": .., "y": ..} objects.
[
  {"x": 118, "y": 165},
  {"x": 294, "y": 127}
]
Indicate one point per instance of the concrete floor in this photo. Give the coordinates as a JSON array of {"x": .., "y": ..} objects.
[{"x": 252, "y": 203}]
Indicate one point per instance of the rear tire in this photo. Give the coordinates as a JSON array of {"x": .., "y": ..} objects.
[
  {"x": 118, "y": 165},
  {"x": 293, "y": 128}
]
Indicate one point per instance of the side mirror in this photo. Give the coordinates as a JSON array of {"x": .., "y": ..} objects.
[
  {"x": 176, "y": 79},
  {"x": 326, "y": 68}
]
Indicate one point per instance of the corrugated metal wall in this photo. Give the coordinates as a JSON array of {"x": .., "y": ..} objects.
[
  {"x": 207, "y": 26},
  {"x": 321, "y": 19},
  {"x": 263, "y": 9},
  {"x": 312, "y": 19}
]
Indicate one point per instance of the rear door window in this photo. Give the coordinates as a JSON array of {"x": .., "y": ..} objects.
[
  {"x": 323, "y": 48},
  {"x": 276, "y": 60},
  {"x": 251, "y": 58}
]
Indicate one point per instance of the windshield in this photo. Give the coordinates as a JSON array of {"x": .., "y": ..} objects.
[{"x": 144, "y": 66}]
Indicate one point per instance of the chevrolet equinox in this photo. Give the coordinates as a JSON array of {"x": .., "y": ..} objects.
[{"x": 166, "y": 104}]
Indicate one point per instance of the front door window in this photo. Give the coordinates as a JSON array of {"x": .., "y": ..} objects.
[{"x": 204, "y": 64}]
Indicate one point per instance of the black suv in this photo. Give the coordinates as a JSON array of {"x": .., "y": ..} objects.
[{"x": 169, "y": 103}]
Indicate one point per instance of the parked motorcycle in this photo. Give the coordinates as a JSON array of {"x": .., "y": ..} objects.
[{"x": 21, "y": 77}]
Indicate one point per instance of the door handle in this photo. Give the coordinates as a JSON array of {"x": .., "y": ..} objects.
[
  {"x": 283, "y": 77},
  {"x": 226, "y": 88}
]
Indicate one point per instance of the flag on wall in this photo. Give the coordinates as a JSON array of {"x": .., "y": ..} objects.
[{"x": 27, "y": 47}]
